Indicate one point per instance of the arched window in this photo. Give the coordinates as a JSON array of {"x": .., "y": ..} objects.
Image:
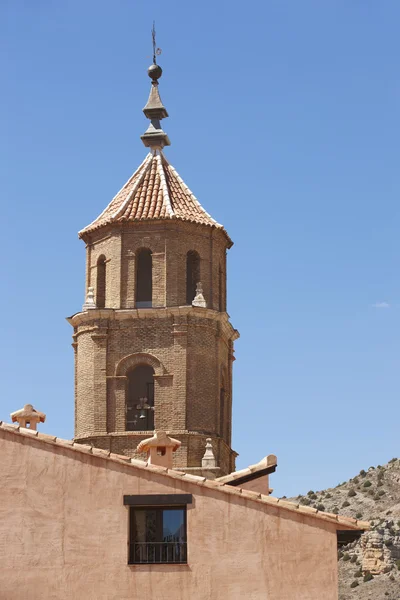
[
  {"x": 101, "y": 282},
  {"x": 192, "y": 275},
  {"x": 140, "y": 399},
  {"x": 144, "y": 278}
]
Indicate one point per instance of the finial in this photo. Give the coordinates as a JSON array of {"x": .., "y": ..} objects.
[
  {"x": 199, "y": 299},
  {"x": 153, "y": 35},
  {"x": 208, "y": 461},
  {"x": 155, "y": 138},
  {"x": 154, "y": 71},
  {"x": 90, "y": 303}
]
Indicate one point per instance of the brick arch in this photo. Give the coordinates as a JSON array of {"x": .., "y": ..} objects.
[{"x": 139, "y": 358}]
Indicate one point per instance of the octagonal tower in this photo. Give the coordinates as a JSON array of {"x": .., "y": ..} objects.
[{"x": 153, "y": 343}]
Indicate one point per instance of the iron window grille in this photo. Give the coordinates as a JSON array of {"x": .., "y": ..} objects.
[{"x": 157, "y": 535}]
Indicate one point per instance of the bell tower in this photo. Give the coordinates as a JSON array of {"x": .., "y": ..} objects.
[{"x": 153, "y": 343}]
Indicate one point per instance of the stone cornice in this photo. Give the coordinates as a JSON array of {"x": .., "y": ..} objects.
[
  {"x": 150, "y": 226},
  {"x": 182, "y": 433},
  {"x": 133, "y": 314}
]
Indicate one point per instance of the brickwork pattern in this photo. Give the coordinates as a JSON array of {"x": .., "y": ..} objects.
[{"x": 169, "y": 243}]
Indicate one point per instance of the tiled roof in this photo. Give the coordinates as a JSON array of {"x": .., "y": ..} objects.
[
  {"x": 265, "y": 466},
  {"x": 339, "y": 521},
  {"x": 155, "y": 191}
]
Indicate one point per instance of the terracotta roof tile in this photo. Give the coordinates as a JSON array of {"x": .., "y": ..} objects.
[
  {"x": 155, "y": 191},
  {"x": 253, "y": 471},
  {"x": 216, "y": 485}
]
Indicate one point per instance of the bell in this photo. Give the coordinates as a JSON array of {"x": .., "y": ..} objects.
[{"x": 142, "y": 414}]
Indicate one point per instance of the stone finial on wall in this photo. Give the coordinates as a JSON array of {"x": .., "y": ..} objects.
[
  {"x": 208, "y": 461},
  {"x": 28, "y": 417},
  {"x": 199, "y": 299},
  {"x": 90, "y": 303}
]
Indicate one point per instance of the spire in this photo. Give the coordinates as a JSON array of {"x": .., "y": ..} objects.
[{"x": 155, "y": 138}]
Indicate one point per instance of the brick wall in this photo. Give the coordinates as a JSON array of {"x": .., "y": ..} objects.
[
  {"x": 169, "y": 243},
  {"x": 189, "y": 348}
]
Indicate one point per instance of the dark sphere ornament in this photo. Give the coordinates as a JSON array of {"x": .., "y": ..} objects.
[{"x": 155, "y": 72}]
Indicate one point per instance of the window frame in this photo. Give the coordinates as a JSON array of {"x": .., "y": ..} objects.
[
  {"x": 131, "y": 406},
  {"x": 158, "y": 548},
  {"x": 101, "y": 281},
  {"x": 141, "y": 282},
  {"x": 193, "y": 269}
]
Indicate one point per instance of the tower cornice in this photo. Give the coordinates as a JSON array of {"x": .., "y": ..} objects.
[{"x": 136, "y": 314}]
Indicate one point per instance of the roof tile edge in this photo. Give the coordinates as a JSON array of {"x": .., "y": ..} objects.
[{"x": 200, "y": 481}]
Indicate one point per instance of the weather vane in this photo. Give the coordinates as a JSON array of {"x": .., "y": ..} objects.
[{"x": 156, "y": 51}]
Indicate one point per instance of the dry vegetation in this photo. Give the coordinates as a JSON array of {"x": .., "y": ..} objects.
[{"x": 372, "y": 495}]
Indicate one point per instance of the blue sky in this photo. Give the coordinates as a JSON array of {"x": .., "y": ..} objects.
[{"x": 284, "y": 122}]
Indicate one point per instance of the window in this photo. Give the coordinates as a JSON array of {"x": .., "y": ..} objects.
[
  {"x": 101, "y": 282},
  {"x": 157, "y": 534},
  {"x": 220, "y": 297},
  {"x": 192, "y": 275},
  {"x": 144, "y": 278},
  {"x": 140, "y": 399},
  {"x": 222, "y": 412}
]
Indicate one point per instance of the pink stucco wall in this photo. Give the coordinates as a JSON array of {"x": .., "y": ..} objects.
[
  {"x": 63, "y": 535},
  {"x": 260, "y": 484}
]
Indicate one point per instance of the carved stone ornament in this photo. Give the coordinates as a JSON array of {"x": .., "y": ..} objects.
[
  {"x": 90, "y": 303},
  {"x": 208, "y": 461},
  {"x": 199, "y": 299}
]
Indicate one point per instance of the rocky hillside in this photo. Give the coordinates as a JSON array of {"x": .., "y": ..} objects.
[{"x": 370, "y": 567}]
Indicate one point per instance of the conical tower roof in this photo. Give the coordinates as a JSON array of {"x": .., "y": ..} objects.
[{"x": 155, "y": 190}]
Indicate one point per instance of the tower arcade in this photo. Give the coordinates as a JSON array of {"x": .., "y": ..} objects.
[{"x": 153, "y": 343}]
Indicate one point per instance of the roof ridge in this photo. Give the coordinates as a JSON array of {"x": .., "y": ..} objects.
[
  {"x": 164, "y": 186},
  {"x": 201, "y": 481},
  {"x": 134, "y": 188}
]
